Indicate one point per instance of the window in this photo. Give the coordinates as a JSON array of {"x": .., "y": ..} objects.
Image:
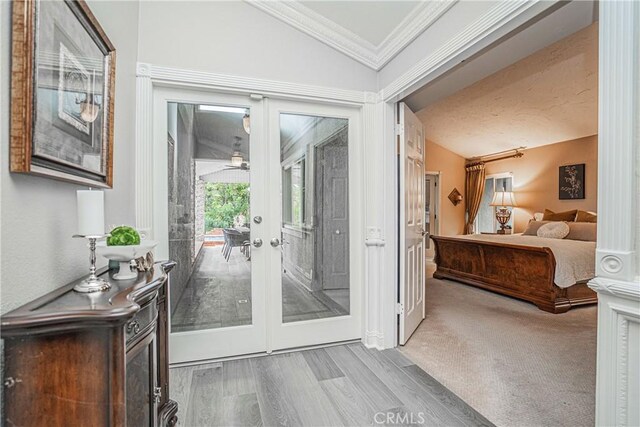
[
  {"x": 294, "y": 193},
  {"x": 486, "y": 220}
]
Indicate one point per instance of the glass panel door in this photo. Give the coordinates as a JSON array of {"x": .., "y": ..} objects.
[
  {"x": 317, "y": 295},
  {"x": 214, "y": 190}
]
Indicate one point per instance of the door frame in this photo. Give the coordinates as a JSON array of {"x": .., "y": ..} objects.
[
  {"x": 617, "y": 278},
  {"x": 152, "y": 79}
]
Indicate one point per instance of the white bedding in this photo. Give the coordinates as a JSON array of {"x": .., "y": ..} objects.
[{"x": 575, "y": 259}]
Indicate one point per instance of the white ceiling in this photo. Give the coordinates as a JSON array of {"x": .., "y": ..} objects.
[
  {"x": 548, "y": 97},
  {"x": 371, "y": 32},
  {"x": 371, "y": 20}
]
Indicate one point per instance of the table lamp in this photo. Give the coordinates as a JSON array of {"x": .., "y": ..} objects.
[{"x": 504, "y": 200}]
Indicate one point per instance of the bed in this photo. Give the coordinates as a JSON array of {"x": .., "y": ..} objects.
[{"x": 550, "y": 273}]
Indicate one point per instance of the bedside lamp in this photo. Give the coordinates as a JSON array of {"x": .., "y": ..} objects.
[{"x": 503, "y": 199}]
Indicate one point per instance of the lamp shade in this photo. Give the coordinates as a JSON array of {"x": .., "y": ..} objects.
[{"x": 503, "y": 198}]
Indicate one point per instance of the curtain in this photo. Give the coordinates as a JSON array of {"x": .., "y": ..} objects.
[{"x": 474, "y": 188}]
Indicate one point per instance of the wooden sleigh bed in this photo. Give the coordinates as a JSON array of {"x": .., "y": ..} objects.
[{"x": 523, "y": 272}]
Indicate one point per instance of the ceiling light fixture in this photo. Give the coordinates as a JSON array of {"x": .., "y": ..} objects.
[{"x": 246, "y": 123}]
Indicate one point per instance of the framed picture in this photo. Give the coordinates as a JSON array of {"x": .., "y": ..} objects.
[
  {"x": 571, "y": 182},
  {"x": 62, "y": 93}
]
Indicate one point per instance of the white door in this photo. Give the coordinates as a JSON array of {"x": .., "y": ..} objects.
[
  {"x": 217, "y": 290},
  {"x": 412, "y": 232},
  {"x": 315, "y": 245}
]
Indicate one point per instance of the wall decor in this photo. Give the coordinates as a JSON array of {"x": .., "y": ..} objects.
[
  {"x": 571, "y": 182},
  {"x": 455, "y": 196},
  {"x": 62, "y": 93}
]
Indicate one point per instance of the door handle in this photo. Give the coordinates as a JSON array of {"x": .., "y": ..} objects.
[
  {"x": 257, "y": 242},
  {"x": 275, "y": 242},
  {"x": 423, "y": 232}
]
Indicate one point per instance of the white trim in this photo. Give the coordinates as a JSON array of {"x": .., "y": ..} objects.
[
  {"x": 497, "y": 22},
  {"x": 343, "y": 40},
  {"x": 175, "y": 77}
]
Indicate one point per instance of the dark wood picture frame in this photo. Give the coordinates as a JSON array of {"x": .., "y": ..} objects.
[
  {"x": 571, "y": 182},
  {"x": 24, "y": 100}
]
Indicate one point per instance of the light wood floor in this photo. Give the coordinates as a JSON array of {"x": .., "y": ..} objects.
[{"x": 346, "y": 385}]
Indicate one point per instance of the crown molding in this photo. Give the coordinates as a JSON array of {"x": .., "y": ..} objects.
[{"x": 336, "y": 36}]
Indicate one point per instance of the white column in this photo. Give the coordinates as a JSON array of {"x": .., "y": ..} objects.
[
  {"x": 373, "y": 336},
  {"x": 144, "y": 148},
  {"x": 617, "y": 283}
]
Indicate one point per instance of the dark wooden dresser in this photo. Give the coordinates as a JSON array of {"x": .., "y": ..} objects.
[{"x": 96, "y": 359}]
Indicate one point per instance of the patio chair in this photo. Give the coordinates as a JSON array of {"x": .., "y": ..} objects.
[{"x": 234, "y": 238}]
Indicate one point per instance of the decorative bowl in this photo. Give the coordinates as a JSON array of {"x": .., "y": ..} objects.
[{"x": 124, "y": 255}]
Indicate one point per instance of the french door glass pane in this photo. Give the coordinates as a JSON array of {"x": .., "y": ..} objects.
[
  {"x": 209, "y": 207},
  {"x": 315, "y": 218}
]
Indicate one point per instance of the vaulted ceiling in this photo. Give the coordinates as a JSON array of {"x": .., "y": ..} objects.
[
  {"x": 548, "y": 97},
  {"x": 371, "y": 32}
]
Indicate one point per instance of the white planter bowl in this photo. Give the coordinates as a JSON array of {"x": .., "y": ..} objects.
[{"x": 124, "y": 255}]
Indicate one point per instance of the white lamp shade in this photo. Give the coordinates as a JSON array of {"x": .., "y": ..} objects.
[{"x": 503, "y": 198}]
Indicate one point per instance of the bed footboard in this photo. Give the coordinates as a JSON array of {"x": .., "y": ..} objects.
[{"x": 522, "y": 272}]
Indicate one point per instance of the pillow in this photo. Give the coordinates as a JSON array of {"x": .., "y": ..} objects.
[
  {"x": 533, "y": 226},
  {"x": 554, "y": 230},
  {"x": 585, "y": 231},
  {"x": 559, "y": 216},
  {"x": 584, "y": 216}
]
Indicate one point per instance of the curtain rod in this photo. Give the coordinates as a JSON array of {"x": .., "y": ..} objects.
[{"x": 478, "y": 160}]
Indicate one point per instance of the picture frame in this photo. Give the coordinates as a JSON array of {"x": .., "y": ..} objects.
[
  {"x": 571, "y": 182},
  {"x": 62, "y": 93}
]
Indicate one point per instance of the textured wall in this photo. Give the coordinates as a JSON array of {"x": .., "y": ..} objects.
[
  {"x": 535, "y": 177},
  {"x": 39, "y": 214},
  {"x": 181, "y": 172},
  {"x": 451, "y": 168}
]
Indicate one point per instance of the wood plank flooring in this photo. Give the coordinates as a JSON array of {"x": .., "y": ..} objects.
[{"x": 346, "y": 385}]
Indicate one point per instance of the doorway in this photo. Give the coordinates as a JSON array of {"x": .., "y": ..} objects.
[
  {"x": 259, "y": 222},
  {"x": 431, "y": 214}
]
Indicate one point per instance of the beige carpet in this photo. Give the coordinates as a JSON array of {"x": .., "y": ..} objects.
[{"x": 515, "y": 364}]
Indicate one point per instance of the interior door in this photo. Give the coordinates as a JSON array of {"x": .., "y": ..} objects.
[
  {"x": 316, "y": 258},
  {"x": 206, "y": 163},
  {"x": 412, "y": 232},
  {"x": 334, "y": 214}
]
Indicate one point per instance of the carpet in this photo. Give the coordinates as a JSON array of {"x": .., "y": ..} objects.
[{"x": 513, "y": 363}]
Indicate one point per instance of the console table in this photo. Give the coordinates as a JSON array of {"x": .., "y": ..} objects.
[{"x": 96, "y": 359}]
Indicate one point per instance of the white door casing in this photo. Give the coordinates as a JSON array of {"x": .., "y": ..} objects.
[{"x": 412, "y": 233}]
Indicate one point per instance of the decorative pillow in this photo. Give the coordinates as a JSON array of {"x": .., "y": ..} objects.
[
  {"x": 584, "y": 216},
  {"x": 586, "y": 231},
  {"x": 533, "y": 226},
  {"x": 559, "y": 216},
  {"x": 554, "y": 230}
]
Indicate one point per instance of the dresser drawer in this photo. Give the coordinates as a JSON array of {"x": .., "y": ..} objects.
[{"x": 141, "y": 320}]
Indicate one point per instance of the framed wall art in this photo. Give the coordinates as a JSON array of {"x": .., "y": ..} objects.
[
  {"x": 571, "y": 182},
  {"x": 62, "y": 93}
]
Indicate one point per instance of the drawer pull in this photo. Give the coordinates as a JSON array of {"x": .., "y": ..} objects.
[{"x": 133, "y": 326}]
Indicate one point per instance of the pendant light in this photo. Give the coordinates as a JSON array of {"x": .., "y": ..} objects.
[
  {"x": 246, "y": 123},
  {"x": 236, "y": 157}
]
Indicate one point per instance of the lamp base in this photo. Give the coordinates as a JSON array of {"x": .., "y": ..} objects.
[
  {"x": 501, "y": 231},
  {"x": 92, "y": 284}
]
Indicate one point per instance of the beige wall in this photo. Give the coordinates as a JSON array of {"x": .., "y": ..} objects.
[
  {"x": 451, "y": 168},
  {"x": 535, "y": 177}
]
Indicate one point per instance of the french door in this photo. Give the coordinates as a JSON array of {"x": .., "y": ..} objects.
[
  {"x": 259, "y": 201},
  {"x": 316, "y": 264}
]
